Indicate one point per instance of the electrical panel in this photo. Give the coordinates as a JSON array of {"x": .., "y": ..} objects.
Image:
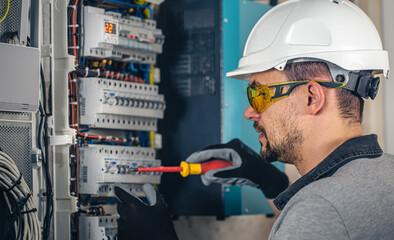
[
  {"x": 204, "y": 40},
  {"x": 114, "y": 107},
  {"x": 100, "y": 103}
]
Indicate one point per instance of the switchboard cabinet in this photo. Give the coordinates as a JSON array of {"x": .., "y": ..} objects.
[{"x": 204, "y": 40}]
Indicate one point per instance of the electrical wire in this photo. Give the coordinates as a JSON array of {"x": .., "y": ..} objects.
[
  {"x": 77, "y": 101},
  {"x": 72, "y": 100},
  {"x": 74, "y": 40},
  {"x": 88, "y": 72},
  {"x": 130, "y": 5},
  {"x": 132, "y": 140},
  {"x": 151, "y": 74},
  {"x": 42, "y": 139},
  {"x": 18, "y": 197},
  {"x": 73, "y": 15},
  {"x": 8, "y": 8},
  {"x": 74, "y": 30}
]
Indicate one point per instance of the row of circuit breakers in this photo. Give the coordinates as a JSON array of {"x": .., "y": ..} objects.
[{"x": 118, "y": 106}]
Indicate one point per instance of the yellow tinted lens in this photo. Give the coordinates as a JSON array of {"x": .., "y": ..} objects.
[
  {"x": 262, "y": 96},
  {"x": 259, "y": 97}
]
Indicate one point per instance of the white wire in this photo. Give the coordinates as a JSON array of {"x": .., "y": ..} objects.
[{"x": 9, "y": 174}]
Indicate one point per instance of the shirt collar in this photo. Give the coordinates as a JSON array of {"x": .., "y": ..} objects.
[{"x": 354, "y": 148}]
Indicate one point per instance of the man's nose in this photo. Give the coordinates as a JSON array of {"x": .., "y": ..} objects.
[{"x": 251, "y": 114}]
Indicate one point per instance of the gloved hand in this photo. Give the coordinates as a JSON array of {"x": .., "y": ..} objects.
[
  {"x": 139, "y": 221},
  {"x": 248, "y": 169}
]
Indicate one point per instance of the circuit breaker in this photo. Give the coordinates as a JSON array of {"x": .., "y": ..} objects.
[
  {"x": 101, "y": 167},
  {"x": 115, "y": 104}
]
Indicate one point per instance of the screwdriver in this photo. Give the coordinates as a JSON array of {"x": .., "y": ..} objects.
[{"x": 186, "y": 169}]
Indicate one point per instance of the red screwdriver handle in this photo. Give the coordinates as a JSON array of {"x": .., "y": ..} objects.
[{"x": 214, "y": 164}]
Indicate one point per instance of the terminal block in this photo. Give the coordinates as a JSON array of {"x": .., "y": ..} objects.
[
  {"x": 118, "y": 104},
  {"x": 104, "y": 166}
]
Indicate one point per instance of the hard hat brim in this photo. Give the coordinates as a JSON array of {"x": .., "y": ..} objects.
[{"x": 349, "y": 60}]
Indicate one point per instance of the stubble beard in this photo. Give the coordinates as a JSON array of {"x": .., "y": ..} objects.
[{"x": 286, "y": 150}]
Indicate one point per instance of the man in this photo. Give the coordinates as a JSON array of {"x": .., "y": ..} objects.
[{"x": 309, "y": 64}]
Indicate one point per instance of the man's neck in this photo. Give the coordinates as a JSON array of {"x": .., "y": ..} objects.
[{"x": 319, "y": 143}]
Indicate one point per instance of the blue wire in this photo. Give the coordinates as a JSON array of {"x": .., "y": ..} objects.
[
  {"x": 146, "y": 138},
  {"x": 142, "y": 136},
  {"x": 111, "y": 202},
  {"x": 87, "y": 130},
  {"x": 146, "y": 77},
  {"x": 150, "y": 12},
  {"x": 132, "y": 68},
  {"x": 113, "y": 10},
  {"x": 144, "y": 69},
  {"x": 83, "y": 61},
  {"x": 139, "y": 13},
  {"x": 132, "y": 5},
  {"x": 107, "y": 66}
]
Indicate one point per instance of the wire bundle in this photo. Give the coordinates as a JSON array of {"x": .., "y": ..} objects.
[
  {"x": 97, "y": 72},
  {"x": 18, "y": 197},
  {"x": 43, "y": 145},
  {"x": 131, "y": 140}
]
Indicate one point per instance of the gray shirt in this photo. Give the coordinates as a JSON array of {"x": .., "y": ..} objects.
[{"x": 355, "y": 202}]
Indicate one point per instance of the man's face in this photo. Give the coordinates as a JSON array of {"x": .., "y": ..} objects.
[{"x": 280, "y": 134}]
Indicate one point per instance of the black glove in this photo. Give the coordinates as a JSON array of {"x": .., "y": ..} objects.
[
  {"x": 139, "y": 221},
  {"x": 248, "y": 169}
]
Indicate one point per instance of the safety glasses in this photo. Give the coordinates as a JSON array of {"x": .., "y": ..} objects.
[{"x": 262, "y": 96}]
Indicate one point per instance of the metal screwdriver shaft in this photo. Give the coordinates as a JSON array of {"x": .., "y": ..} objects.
[
  {"x": 187, "y": 169},
  {"x": 159, "y": 169}
]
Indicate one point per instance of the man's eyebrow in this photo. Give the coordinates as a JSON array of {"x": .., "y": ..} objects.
[{"x": 253, "y": 83}]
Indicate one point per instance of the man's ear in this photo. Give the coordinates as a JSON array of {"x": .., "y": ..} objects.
[{"x": 316, "y": 98}]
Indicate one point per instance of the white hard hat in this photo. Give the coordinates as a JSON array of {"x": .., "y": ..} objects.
[{"x": 334, "y": 31}]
